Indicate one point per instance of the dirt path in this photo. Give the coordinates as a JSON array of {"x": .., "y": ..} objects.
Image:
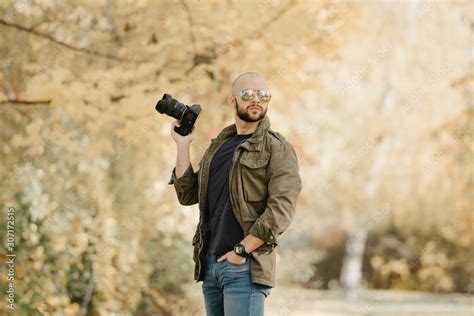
[{"x": 293, "y": 301}]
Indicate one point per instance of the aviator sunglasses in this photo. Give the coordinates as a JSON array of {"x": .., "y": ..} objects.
[{"x": 248, "y": 94}]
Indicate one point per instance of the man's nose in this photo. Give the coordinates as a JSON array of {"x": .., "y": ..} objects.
[{"x": 255, "y": 98}]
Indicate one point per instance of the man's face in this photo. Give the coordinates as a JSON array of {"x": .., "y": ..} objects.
[{"x": 252, "y": 110}]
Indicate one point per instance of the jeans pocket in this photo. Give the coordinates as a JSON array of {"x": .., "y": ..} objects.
[
  {"x": 235, "y": 264},
  {"x": 232, "y": 267}
]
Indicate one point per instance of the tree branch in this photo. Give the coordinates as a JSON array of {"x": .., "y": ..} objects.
[
  {"x": 26, "y": 102},
  {"x": 69, "y": 46}
]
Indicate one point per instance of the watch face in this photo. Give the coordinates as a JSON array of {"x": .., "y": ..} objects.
[{"x": 239, "y": 249}]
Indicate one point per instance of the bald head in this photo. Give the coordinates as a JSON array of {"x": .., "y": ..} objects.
[{"x": 245, "y": 79}]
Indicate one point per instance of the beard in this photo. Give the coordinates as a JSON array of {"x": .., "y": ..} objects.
[{"x": 246, "y": 117}]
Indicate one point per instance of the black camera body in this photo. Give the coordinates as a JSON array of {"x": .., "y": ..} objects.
[{"x": 186, "y": 115}]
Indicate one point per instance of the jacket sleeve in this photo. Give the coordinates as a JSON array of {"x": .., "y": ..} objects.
[
  {"x": 186, "y": 186},
  {"x": 284, "y": 186}
]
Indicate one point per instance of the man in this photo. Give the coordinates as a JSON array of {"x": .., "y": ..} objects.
[{"x": 246, "y": 186}]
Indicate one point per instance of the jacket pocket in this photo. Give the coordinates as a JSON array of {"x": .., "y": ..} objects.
[{"x": 254, "y": 176}]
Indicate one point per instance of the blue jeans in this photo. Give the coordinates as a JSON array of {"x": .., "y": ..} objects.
[{"x": 228, "y": 289}]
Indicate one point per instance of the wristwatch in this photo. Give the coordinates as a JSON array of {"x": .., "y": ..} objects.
[{"x": 239, "y": 250}]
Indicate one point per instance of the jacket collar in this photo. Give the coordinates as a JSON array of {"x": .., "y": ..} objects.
[{"x": 254, "y": 143}]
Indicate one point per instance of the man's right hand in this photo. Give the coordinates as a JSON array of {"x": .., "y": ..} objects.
[{"x": 180, "y": 139}]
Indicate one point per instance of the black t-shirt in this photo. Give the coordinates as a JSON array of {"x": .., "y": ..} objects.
[{"x": 225, "y": 230}]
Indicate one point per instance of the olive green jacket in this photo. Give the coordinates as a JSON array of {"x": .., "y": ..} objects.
[{"x": 264, "y": 184}]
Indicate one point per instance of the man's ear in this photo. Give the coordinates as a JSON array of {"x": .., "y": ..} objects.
[{"x": 231, "y": 100}]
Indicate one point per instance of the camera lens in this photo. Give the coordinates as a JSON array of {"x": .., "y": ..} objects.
[{"x": 170, "y": 106}]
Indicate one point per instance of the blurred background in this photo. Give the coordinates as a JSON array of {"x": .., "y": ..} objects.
[{"x": 375, "y": 96}]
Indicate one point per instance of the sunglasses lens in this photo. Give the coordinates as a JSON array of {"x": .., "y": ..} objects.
[
  {"x": 265, "y": 95},
  {"x": 247, "y": 94}
]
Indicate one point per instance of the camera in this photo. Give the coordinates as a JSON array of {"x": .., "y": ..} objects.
[{"x": 186, "y": 115}]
